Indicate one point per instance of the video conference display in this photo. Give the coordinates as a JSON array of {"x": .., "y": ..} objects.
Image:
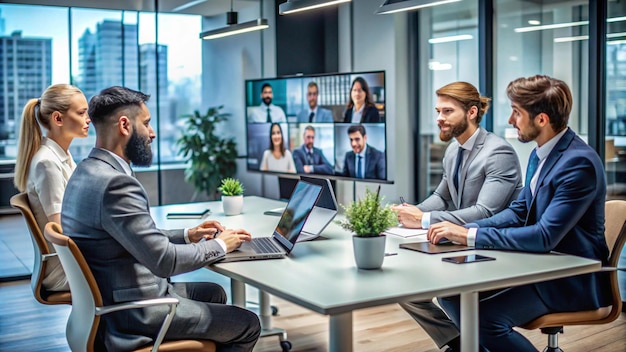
[{"x": 318, "y": 125}]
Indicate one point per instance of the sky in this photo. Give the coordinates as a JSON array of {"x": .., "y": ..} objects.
[{"x": 178, "y": 32}]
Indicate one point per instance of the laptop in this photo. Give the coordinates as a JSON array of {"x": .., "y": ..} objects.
[
  {"x": 287, "y": 231},
  {"x": 324, "y": 211}
]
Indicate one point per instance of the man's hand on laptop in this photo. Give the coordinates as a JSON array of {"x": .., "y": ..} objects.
[
  {"x": 206, "y": 230},
  {"x": 234, "y": 238}
]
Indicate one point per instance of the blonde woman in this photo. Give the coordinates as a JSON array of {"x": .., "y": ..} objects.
[{"x": 44, "y": 163}]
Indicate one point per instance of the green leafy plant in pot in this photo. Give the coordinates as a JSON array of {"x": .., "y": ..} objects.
[
  {"x": 232, "y": 196},
  {"x": 211, "y": 158},
  {"x": 367, "y": 218}
]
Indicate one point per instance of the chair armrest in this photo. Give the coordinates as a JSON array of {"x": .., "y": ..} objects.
[
  {"x": 608, "y": 269},
  {"x": 45, "y": 257},
  {"x": 172, "y": 302},
  {"x": 137, "y": 304}
]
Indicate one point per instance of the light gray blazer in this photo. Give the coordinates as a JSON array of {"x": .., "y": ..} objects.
[
  {"x": 106, "y": 212},
  {"x": 322, "y": 115},
  {"x": 490, "y": 181}
]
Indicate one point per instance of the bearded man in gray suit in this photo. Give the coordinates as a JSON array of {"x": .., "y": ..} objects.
[
  {"x": 106, "y": 212},
  {"x": 481, "y": 177}
]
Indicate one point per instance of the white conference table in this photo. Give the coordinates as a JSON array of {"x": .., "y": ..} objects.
[{"x": 321, "y": 275}]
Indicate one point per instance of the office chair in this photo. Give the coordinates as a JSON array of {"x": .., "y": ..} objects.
[
  {"x": 615, "y": 234},
  {"x": 87, "y": 305},
  {"x": 42, "y": 254}
]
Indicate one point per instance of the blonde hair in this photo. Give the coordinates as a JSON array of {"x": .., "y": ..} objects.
[
  {"x": 467, "y": 95},
  {"x": 57, "y": 97}
]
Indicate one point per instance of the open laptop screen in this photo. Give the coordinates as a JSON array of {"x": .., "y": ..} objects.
[
  {"x": 296, "y": 213},
  {"x": 327, "y": 199}
]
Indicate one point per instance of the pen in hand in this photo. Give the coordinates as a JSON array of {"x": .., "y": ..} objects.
[{"x": 402, "y": 201}]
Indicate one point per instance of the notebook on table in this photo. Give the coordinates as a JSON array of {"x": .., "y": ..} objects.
[{"x": 286, "y": 232}]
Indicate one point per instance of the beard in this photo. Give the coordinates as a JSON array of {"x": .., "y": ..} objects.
[
  {"x": 138, "y": 150},
  {"x": 529, "y": 136},
  {"x": 455, "y": 131},
  {"x": 267, "y": 101}
]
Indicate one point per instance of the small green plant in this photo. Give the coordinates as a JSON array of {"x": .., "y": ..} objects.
[
  {"x": 367, "y": 217},
  {"x": 231, "y": 187}
]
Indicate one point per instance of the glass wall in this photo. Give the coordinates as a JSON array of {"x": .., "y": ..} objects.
[
  {"x": 541, "y": 37},
  {"x": 448, "y": 38},
  {"x": 616, "y": 101},
  {"x": 159, "y": 55}
]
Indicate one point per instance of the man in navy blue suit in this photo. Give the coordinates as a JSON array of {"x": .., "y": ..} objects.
[
  {"x": 363, "y": 161},
  {"x": 561, "y": 208},
  {"x": 308, "y": 159}
]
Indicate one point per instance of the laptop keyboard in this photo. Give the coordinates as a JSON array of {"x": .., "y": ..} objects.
[{"x": 264, "y": 245}]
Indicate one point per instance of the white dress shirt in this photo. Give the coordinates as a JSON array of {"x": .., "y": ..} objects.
[{"x": 259, "y": 114}]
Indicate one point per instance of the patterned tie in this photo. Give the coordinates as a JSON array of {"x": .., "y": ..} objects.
[
  {"x": 311, "y": 116},
  {"x": 533, "y": 162},
  {"x": 359, "y": 168},
  {"x": 309, "y": 158},
  {"x": 269, "y": 117},
  {"x": 457, "y": 168}
]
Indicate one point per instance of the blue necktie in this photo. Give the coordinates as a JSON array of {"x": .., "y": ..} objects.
[
  {"x": 359, "y": 168},
  {"x": 457, "y": 168},
  {"x": 269, "y": 117},
  {"x": 533, "y": 162}
]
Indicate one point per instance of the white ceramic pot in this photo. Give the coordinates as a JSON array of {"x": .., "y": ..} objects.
[
  {"x": 369, "y": 252},
  {"x": 232, "y": 204}
]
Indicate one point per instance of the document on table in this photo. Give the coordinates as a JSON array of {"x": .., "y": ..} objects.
[{"x": 406, "y": 233}]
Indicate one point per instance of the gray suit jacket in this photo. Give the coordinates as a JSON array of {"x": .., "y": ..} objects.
[
  {"x": 106, "y": 212},
  {"x": 490, "y": 181},
  {"x": 322, "y": 115}
]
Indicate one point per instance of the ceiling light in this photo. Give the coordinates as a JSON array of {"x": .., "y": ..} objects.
[
  {"x": 234, "y": 27},
  {"x": 293, "y": 6},
  {"x": 534, "y": 22},
  {"x": 586, "y": 37},
  {"x": 258, "y": 24},
  {"x": 393, "y": 6},
  {"x": 564, "y": 25},
  {"x": 187, "y": 5},
  {"x": 452, "y": 38}
]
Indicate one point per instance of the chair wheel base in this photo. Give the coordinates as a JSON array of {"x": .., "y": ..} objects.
[
  {"x": 552, "y": 349},
  {"x": 285, "y": 346}
]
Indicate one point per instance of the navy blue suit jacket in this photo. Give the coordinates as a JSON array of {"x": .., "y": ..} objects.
[
  {"x": 320, "y": 164},
  {"x": 369, "y": 115},
  {"x": 374, "y": 164},
  {"x": 565, "y": 215}
]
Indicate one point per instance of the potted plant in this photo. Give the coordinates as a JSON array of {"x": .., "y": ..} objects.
[
  {"x": 367, "y": 219},
  {"x": 211, "y": 158},
  {"x": 232, "y": 196}
]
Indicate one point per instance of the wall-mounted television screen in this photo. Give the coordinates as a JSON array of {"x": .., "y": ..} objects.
[{"x": 331, "y": 124}]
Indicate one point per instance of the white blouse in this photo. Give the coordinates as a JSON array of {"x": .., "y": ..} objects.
[
  {"x": 49, "y": 172},
  {"x": 284, "y": 164}
]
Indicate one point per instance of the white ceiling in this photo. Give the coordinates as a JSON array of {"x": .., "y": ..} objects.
[{"x": 194, "y": 7}]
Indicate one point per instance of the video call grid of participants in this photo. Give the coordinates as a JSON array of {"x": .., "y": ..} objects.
[{"x": 290, "y": 130}]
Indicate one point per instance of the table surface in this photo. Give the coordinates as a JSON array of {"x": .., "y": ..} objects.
[{"x": 321, "y": 275}]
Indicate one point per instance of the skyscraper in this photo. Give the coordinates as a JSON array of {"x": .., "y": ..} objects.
[
  {"x": 108, "y": 57},
  {"x": 26, "y": 72}
]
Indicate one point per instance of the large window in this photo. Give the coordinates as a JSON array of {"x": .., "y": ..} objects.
[
  {"x": 448, "y": 37},
  {"x": 541, "y": 37},
  {"x": 616, "y": 101},
  {"x": 160, "y": 56}
]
